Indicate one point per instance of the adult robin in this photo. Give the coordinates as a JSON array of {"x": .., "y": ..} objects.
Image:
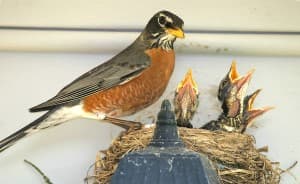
[
  {"x": 232, "y": 105},
  {"x": 186, "y": 100},
  {"x": 130, "y": 81}
]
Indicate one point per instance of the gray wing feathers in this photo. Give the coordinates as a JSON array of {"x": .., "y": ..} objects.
[{"x": 123, "y": 67}]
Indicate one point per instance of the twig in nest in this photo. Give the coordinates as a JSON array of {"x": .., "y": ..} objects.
[
  {"x": 291, "y": 167},
  {"x": 46, "y": 179},
  {"x": 263, "y": 149},
  {"x": 91, "y": 177},
  {"x": 288, "y": 170}
]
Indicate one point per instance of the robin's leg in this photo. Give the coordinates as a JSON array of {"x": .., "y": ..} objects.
[
  {"x": 152, "y": 118},
  {"x": 126, "y": 124}
]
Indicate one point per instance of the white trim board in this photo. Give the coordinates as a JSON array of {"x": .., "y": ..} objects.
[{"x": 108, "y": 42}]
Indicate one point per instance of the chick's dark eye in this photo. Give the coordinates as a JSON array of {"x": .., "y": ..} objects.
[
  {"x": 223, "y": 83},
  {"x": 162, "y": 20}
]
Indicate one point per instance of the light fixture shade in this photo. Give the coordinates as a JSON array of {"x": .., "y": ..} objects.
[{"x": 165, "y": 160}]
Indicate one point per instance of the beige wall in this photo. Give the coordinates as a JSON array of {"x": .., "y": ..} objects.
[
  {"x": 257, "y": 15},
  {"x": 214, "y": 15}
]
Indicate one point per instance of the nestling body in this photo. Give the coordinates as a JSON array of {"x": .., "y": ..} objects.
[{"x": 186, "y": 100}]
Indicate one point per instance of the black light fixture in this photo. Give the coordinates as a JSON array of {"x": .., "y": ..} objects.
[{"x": 165, "y": 160}]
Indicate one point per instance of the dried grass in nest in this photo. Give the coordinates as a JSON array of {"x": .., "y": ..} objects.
[{"x": 241, "y": 162}]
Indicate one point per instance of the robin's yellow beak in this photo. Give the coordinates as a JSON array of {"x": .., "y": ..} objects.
[{"x": 177, "y": 32}]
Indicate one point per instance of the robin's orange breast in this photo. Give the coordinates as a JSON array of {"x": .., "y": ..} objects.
[{"x": 139, "y": 92}]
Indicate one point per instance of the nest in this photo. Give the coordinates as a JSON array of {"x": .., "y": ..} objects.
[{"x": 234, "y": 154}]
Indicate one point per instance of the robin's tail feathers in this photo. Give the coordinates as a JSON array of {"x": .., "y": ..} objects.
[
  {"x": 52, "y": 118},
  {"x": 23, "y": 132}
]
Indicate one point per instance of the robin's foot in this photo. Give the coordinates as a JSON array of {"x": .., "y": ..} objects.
[{"x": 126, "y": 124}]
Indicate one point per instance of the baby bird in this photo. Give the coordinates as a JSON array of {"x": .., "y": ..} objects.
[
  {"x": 232, "y": 104},
  {"x": 250, "y": 113},
  {"x": 186, "y": 100},
  {"x": 235, "y": 122},
  {"x": 227, "y": 81}
]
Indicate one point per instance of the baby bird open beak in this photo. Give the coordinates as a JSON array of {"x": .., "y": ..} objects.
[
  {"x": 251, "y": 113},
  {"x": 227, "y": 81},
  {"x": 234, "y": 97},
  {"x": 233, "y": 73},
  {"x": 186, "y": 100},
  {"x": 242, "y": 83}
]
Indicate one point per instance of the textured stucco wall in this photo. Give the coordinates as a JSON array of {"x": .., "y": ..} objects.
[{"x": 64, "y": 153}]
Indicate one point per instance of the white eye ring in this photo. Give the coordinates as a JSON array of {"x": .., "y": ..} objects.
[
  {"x": 162, "y": 21},
  {"x": 165, "y": 19}
]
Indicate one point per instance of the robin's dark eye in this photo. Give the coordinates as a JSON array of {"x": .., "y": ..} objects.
[{"x": 162, "y": 20}]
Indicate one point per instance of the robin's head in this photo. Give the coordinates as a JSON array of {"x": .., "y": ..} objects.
[
  {"x": 233, "y": 101},
  {"x": 227, "y": 81},
  {"x": 163, "y": 29}
]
